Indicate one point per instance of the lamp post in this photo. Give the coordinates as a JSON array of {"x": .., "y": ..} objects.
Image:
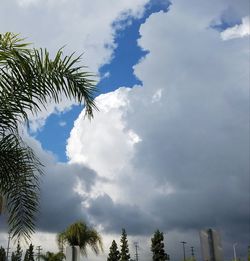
[
  {"x": 234, "y": 245},
  {"x": 8, "y": 247},
  {"x": 183, "y": 245},
  {"x": 192, "y": 252}
]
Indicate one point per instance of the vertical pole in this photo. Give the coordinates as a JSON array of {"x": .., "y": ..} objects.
[
  {"x": 136, "y": 251},
  {"x": 8, "y": 247},
  {"x": 38, "y": 252},
  {"x": 234, "y": 245},
  {"x": 184, "y": 252},
  {"x": 192, "y": 253}
]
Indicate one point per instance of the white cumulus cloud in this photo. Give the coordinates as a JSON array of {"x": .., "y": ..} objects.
[
  {"x": 237, "y": 31},
  {"x": 105, "y": 143}
]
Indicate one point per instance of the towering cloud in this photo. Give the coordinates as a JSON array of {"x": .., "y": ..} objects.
[{"x": 189, "y": 168}]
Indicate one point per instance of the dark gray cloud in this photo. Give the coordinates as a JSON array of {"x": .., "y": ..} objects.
[
  {"x": 196, "y": 137},
  {"x": 60, "y": 203},
  {"x": 115, "y": 216}
]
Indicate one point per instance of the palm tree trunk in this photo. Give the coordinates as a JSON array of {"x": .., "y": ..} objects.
[{"x": 74, "y": 253}]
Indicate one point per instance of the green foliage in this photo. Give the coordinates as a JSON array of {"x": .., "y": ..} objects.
[
  {"x": 191, "y": 259},
  {"x": 29, "y": 80},
  {"x": 1, "y": 204},
  {"x": 17, "y": 255},
  {"x": 29, "y": 255},
  {"x": 13, "y": 257},
  {"x": 157, "y": 247},
  {"x": 79, "y": 234},
  {"x": 124, "y": 256},
  {"x": 2, "y": 254},
  {"x": 50, "y": 256},
  {"x": 19, "y": 183},
  {"x": 114, "y": 254}
]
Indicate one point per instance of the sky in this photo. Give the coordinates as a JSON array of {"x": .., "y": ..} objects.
[{"x": 169, "y": 147}]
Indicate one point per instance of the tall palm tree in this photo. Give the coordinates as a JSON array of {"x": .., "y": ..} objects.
[
  {"x": 50, "y": 256},
  {"x": 79, "y": 234},
  {"x": 30, "y": 79}
]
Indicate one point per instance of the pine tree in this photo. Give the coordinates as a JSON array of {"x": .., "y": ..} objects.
[
  {"x": 114, "y": 254},
  {"x": 29, "y": 255},
  {"x": 26, "y": 256},
  {"x": 13, "y": 257},
  {"x": 157, "y": 247},
  {"x": 17, "y": 255},
  {"x": 125, "y": 256},
  {"x": 2, "y": 254}
]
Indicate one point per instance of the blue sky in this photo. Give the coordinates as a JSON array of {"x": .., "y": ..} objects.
[{"x": 53, "y": 136}]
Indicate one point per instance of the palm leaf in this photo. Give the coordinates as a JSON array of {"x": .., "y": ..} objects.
[
  {"x": 20, "y": 171},
  {"x": 29, "y": 80},
  {"x": 79, "y": 234}
]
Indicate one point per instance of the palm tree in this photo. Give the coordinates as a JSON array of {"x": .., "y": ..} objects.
[
  {"x": 30, "y": 79},
  {"x": 50, "y": 256},
  {"x": 79, "y": 234}
]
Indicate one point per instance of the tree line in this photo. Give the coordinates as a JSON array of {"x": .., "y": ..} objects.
[
  {"x": 72, "y": 233},
  {"x": 17, "y": 254},
  {"x": 30, "y": 255},
  {"x": 80, "y": 234},
  {"x": 157, "y": 248}
]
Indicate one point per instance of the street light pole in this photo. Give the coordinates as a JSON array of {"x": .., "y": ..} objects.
[
  {"x": 234, "y": 245},
  {"x": 8, "y": 247},
  {"x": 183, "y": 245},
  {"x": 192, "y": 252}
]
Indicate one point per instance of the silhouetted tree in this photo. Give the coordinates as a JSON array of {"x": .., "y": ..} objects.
[
  {"x": 29, "y": 255},
  {"x": 13, "y": 256},
  {"x": 26, "y": 256},
  {"x": 2, "y": 254},
  {"x": 125, "y": 256},
  {"x": 157, "y": 247},
  {"x": 114, "y": 254},
  {"x": 17, "y": 255}
]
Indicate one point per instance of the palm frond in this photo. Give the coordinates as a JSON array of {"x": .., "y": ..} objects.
[
  {"x": 79, "y": 234},
  {"x": 95, "y": 241},
  {"x": 12, "y": 41},
  {"x": 20, "y": 171},
  {"x": 29, "y": 80}
]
